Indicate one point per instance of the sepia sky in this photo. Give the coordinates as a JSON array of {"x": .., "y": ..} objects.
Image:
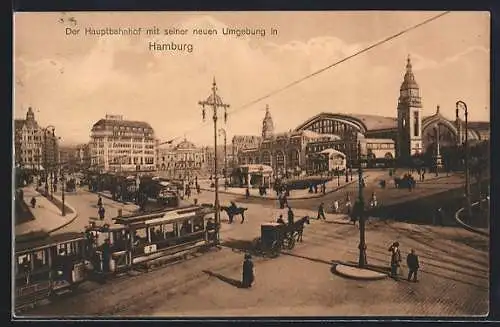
[{"x": 73, "y": 81}]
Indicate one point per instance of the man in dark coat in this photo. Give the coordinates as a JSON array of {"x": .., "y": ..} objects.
[
  {"x": 321, "y": 211},
  {"x": 290, "y": 216},
  {"x": 33, "y": 202},
  {"x": 99, "y": 201},
  {"x": 248, "y": 275},
  {"x": 101, "y": 212},
  {"x": 413, "y": 265}
]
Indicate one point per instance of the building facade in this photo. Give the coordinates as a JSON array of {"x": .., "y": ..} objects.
[
  {"x": 122, "y": 145},
  {"x": 82, "y": 155},
  {"x": 181, "y": 161},
  {"x": 400, "y": 137},
  {"x": 35, "y": 147}
]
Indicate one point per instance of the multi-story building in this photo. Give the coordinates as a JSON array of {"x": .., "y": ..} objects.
[
  {"x": 122, "y": 145},
  {"x": 28, "y": 142},
  {"x": 181, "y": 161},
  {"x": 35, "y": 147}
]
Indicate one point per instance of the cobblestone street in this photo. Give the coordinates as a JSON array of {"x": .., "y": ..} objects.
[{"x": 453, "y": 277}]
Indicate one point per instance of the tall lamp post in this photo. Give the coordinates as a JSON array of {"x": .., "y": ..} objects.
[
  {"x": 361, "y": 208},
  {"x": 215, "y": 101},
  {"x": 462, "y": 105},
  {"x": 48, "y": 129},
  {"x": 63, "y": 182},
  {"x": 223, "y": 131}
]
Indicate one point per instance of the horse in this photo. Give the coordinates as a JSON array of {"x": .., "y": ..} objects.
[
  {"x": 298, "y": 227},
  {"x": 234, "y": 211}
]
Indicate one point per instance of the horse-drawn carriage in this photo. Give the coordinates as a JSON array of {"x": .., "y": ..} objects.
[{"x": 276, "y": 237}]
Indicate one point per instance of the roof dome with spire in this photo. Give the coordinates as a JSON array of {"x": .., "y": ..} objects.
[
  {"x": 267, "y": 125},
  {"x": 185, "y": 145},
  {"x": 409, "y": 79}
]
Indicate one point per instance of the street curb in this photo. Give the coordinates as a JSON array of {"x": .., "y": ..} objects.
[
  {"x": 320, "y": 195},
  {"x": 339, "y": 273},
  {"x": 468, "y": 227},
  {"x": 66, "y": 204}
]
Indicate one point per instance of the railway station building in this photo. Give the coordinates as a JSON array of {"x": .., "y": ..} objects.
[{"x": 407, "y": 134}]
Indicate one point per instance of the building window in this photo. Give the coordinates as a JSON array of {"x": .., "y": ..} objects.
[{"x": 415, "y": 124}]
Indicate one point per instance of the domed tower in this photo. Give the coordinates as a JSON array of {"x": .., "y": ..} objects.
[
  {"x": 409, "y": 116},
  {"x": 267, "y": 125}
]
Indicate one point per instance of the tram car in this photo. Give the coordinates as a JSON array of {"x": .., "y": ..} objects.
[
  {"x": 46, "y": 265},
  {"x": 49, "y": 265},
  {"x": 148, "y": 239},
  {"x": 162, "y": 191}
]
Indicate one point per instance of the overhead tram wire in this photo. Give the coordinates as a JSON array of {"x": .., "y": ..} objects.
[{"x": 376, "y": 44}]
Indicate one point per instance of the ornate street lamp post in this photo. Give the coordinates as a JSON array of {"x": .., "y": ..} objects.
[
  {"x": 463, "y": 106},
  {"x": 215, "y": 101},
  {"x": 361, "y": 208}
]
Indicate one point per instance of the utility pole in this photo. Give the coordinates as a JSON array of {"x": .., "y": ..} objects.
[
  {"x": 361, "y": 207},
  {"x": 215, "y": 101},
  {"x": 223, "y": 131},
  {"x": 463, "y": 105}
]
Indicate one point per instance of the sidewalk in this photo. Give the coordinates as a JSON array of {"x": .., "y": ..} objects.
[
  {"x": 331, "y": 186},
  {"x": 480, "y": 231},
  {"x": 47, "y": 216}
]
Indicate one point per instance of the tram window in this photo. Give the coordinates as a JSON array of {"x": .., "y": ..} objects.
[
  {"x": 170, "y": 230},
  {"x": 20, "y": 262},
  {"x": 156, "y": 233},
  {"x": 198, "y": 224},
  {"x": 186, "y": 227},
  {"x": 40, "y": 258},
  {"x": 141, "y": 235},
  {"x": 61, "y": 249}
]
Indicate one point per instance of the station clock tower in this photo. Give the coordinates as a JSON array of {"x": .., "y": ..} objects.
[{"x": 409, "y": 141}]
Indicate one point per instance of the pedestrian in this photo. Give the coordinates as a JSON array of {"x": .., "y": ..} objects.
[
  {"x": 413, "y": 265},
  {"x": 290, "y": 216},
  {"x": 33, "y": 202},
  {"x": 101, "y": 212},
  {"x": 323, "y": 188},
  {"x": 248, "y": 272},
  {"x": 395, "y": 259},
  {"x": 321, "y": 211},
  {"x": 316, "y": 188},
  {"x": 348, "y": 204},
  {"x": 247, "y": 192},
  {"x": 373, "y": 201},
  {"x": 336, "y": 206},
  {"x": 281, "y": 201},
  {"x": 99, "y": 201}
]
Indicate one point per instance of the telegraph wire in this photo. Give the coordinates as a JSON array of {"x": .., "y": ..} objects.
[{"x": 302, "y": 79}]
